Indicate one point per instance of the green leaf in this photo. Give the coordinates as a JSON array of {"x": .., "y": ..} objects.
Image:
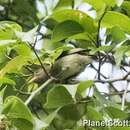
[
  {"x": 119, "y": 2},
  {"x": 24, "y": 12},
  {"x": 70, "y": 112},
  {"x": 126, "y": 7},
  {"x": 14, "y": 65},
  {"x": 23, "y": 49},
  {"x": 84, "y": 85},
  {"x": 115, "y": 113},
  {"x": 58, "y": 97},
  {"x": 110, "y": 3},
  {"x": 7, "y": 30},
  {"x": 72, "y": 89},
  {"x": 64, "y": 4},
  {"x": 120, "y": 53},
  {"x": 66, "y": 29},
  {"x": 7, "y": 42},
  {"x": 5, "y": 80},
  {"x": 2, "y": 100},
  {"x": 104, "y": 48},
  {"x": 50, "y": 117},
  {"x": 14, "y": 108},
  {"x": 99, "y": 6},
  {"x": 93, "y": 114},
  {"x": 117, "y": 34},
  {"x": 39, "y": 124},
  {"x": 83, "y": 36},
  {"x": 75, "y": 15},
  {"x": 22, "y": 124},
  {"x": 112, "y": 19}
]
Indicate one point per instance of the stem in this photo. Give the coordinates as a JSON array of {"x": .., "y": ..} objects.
[
  {"x": 34, "y": 93},
  {"x": 44, "y": 69},
  {"x": 115, "y": 80},
  {"x": 124, "y": 98},
  {"x": 99, "y": 44}
]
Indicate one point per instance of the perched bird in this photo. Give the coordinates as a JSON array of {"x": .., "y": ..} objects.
[
  {"x": 69, "y": 66},
  {"x": 65, "y": 67}
]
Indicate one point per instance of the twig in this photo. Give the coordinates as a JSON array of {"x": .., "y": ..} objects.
[
  {"x": 99, "y": 43},
  {"x": 33, "y": 48},
  {"x": 21, "y": 92},
  {"x": 114, "y": 80},
  {"x": 97, "y": 70},
  {"x": 115, "y": 93},
  {"x": 34, "y": 93},
  {"x": 124, "y": 98},
  {"x": 92, "y": 39},
  {"x": 44, "y": 69},
  {"x": 37, "y": 31}
]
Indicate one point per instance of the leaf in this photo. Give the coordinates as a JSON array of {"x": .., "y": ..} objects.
[
  {"x": 115, "y": 113},
  {"x": 58, "y": 97},
  {"x": 2, "y": 99},
  {"x": 119, "y": 53},
  {"x": 72, "y": 89},
  {"x": 5, "y": 80},
  {"x": 50, "y": 117},
  {"x": 99, "y": 6},
  {"x": 14, "y": 65},
  {"x": 93, "y": 115},
  {"x": 75, "y": 15},
  {"x": 22, "y": 124},
  {"x": 23, "y": 49},
  {"x": 126, "y": 7},
  {"x": 65, "y": 29},
  {"x": 102, "y": 48},
  {"x": 64, "y": 4},
  {"x": 84, "y": 85},
  {"x": 24, "y": 55},
  {"x": 7, "y": 42},
  {"x": 39, "y": 124},
  {"x": 24, "y": 12},
  {"x": 110, "y": 3},
  {"x": 82, "y": 37},
  {"x": 117, "y": 34},
  {"x": 7, "y": 30},
  {"x": 14, "y": 108},
  {"x": 119, "y": 2},
  {"x": 112, "y": 19},
  {"x": 70, "y": 112}
]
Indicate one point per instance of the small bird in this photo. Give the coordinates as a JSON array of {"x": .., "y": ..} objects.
[
  {"x": 64, "y": 67},
  {"x": 69, "y": 66}
]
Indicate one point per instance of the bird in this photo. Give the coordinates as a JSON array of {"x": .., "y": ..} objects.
[
  {"x": 65, "y": 67},
  {"x": 69, "y": 66}
]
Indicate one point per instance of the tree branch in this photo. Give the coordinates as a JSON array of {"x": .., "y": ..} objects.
[
  {"x": 34, "y": 93},
  {"x": 99, "y": 43},
  {"x": 115, "y": 93},
  {"x": 124, "y": 98},
  {"x": 114, "y": 80},
  {"x": 44, "y": 69}
]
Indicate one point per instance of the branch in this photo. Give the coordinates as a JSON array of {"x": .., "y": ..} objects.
[
  {"x": 33, "y": 48},
  {"x": 44, "y": 69},
  {"x": 99, "y": 43},
  {"x": 124, "y": 98},
  {"x": 115, "y": 93},
  {"x": 34, "y": 93},
  {"x": 37, "y": 31},
  {"x": 114, "y": 80}
]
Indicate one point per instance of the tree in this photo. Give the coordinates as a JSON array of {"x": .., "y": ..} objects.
[{"x": 42, "y": 53}]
